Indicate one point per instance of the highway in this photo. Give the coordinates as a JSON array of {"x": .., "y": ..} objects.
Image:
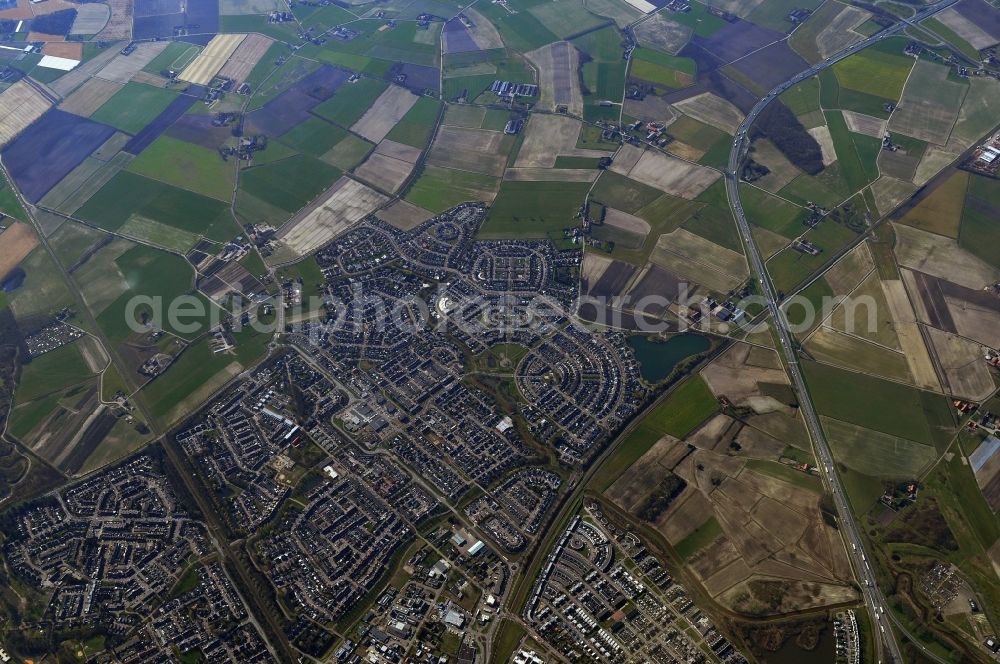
[{"x": 886, "y": 646}]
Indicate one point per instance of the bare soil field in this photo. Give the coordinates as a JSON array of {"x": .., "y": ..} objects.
[
  {"x": 699, "y": 260},
  {"x": 557, "y": 65},
  {"x": 245, "y": 58},
  {"x": 82, "y": 73},
  {"x": 20, "y": 105},
  {"x": 975, "y": 321},
  {"x": 123, "y": 68},
  {"x": 207, "y": 64},
  {"x": 674, "y": 176},
  {"x": 641, "y": 477},
  {"x": 966, "y": 29},
  {"x": 781, "y": 170},
  {"x": 614, "y": 280},
  {"x": 16, "y": 242},
  {"x": 864, "y": 124},
  {"x": 476, "y": 150},
  {"x": 684, "y": 515},
  {"x": 825, "y": 140},
  {"x": 549, "y": 136},
  {"x": 482, "y": 31},
  {"x": 404, "y": 215},
  {"x": 90, "y": 96},
  {"x": 839, "y": 33},
  {"x": 732, "y": 376},
  {"x": 651, "y": 109},
  {"x": 910, "y": 339},
  {"x": 848, "y": 272},
  {"x": 593, "y": 268},
  {"x": 937, "y": 158},
  {"x": 712, "y": 110},
  {"x": 387, "y": 110},
  {"x": 120, "y": 24},
  {"x": 684, "y": 151},
  {"x": 90, "y": 18},
  {"x": 340, "y": 207},
  {"x": 767, "y": 67},
  {"x": 961, "y": 360},
  {"x": 941, "y": 257},
  {"x": 831, "y": 346},
  {"x": 898, "y": 165},
  {"x": 384, "y": 172},
  {"x": 551, "y": 174},
  {"x": 64, "y": 49},
  {"x": 626, "y": 158},
  {"x": 627, "y": 222},
  {"x": 890, "y": 192},
  {"x": 662, "y": 33}
]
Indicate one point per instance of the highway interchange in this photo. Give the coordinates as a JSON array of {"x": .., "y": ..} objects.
[{"x": 886, "y": 646}]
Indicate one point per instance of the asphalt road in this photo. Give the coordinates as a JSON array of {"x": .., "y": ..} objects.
[{"x": 887, "y": 648}]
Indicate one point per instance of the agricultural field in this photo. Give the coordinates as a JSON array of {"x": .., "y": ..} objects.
[{"x": 241, "y": 156}]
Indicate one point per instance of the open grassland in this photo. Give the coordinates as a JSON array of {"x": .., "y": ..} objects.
[
  {"x": 525, "y": 209},
  {"x": 772, "y": 213},
  {"x": 791, "y": 267},
  {"x": 153, "y": 274},
  {"x": 878, "y": 71},
  {"x": 315, "y": 137},
  {"x": 133, "y": 107},
  {"x": 847, "y": 351},
  {"x": 192, "y": 378},
  {"x": 690, "y": 404},
  {"x": 930, "y": 104},
  {"x": 130, "y": 194},
  {"x": 437, "y": 189},
  {"x": 191, "y": 167},
  {"x": 52, "y": 372},
  {"x": 872, "y": 403},
  {"x": 43, "y": 291},
  {"x": 941, "y": 211},
  {"x": 288, "y": 184}
]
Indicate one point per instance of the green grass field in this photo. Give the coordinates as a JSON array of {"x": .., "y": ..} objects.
[
  {"x": 187, "y": 166},
  {"x": 160, "y": 277},
  {"x": 878, "y": 71},
  {"x": 620, "y": 192},
  {"x": 438, "y": 189},
  {"x": 881, "y": 405},
  {"x": 685, "y": 408},
  {"x": 290, "y": 183},
  {"x": 129, "y": 193},
  {"x": 699, "y": 538},
  {"x": 351, "y": 101},
  {"x": 876, "y": 453},
  {"x": 314, "y": 137},
  {"x": 533, "y": 209},
  {"x": 773, "y": 213},
  {"x": 133, "y": 107},
  {"x": 790, "y": 267},
  {"x": 196, "y": 367},
  {"x": 814, "y": 293},
  {"x": 417, "y": 126},
  {"x": 176, "y": 55},
  {"x": 699, "y": 20},
  {"x": 662, "y": 69},
  {"x": 520, "y": 30},
  {"x": 52, "y": 372},
  {"x": 851, "y": 165}
]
